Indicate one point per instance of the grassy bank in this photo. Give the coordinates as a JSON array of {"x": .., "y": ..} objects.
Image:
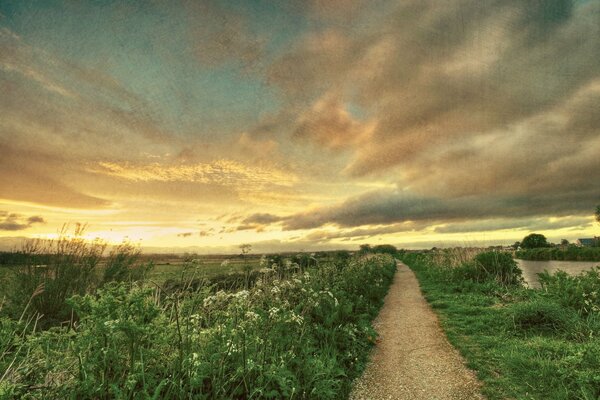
[
  {"x": 297, "y": 331},
  {"x": 570, "y": 253},
  {"x": 523, "y": 343}
]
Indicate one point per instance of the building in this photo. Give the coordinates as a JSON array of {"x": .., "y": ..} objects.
[{"x": 588, "y": 242}]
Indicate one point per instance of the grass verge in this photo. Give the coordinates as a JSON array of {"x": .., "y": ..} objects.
[{"x": 523, "y": 343}]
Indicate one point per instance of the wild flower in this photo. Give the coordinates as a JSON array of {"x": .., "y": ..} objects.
[
  {"x": 296, "y": 319},
  {"x": 252, "y": 316},
  {"x": 241, "y": 295},
  {"x": 273, "y": 311}
]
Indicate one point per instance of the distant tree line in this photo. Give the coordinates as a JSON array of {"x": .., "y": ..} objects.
[{"x": 379, "y": 249}]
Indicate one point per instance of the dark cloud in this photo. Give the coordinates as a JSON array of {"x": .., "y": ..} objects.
[
  {"x": 396, "y": 206},
  {"x": 36, "y": 219},
  {"x": 262, "y": 218},
  {"x": 538, "y": 224},
  {"x": 481, "y": 110},
  {"x": 16, "y": 222},
  {"x": 185, "y": 234},
  {"x": 323, "y": 236}
]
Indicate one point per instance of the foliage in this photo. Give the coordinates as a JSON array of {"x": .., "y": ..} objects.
[
  {"x": 580, "y": 292},
  {"x": 471, "y": 265},
  {"x": 71, "y": 268},
  {"x": 534, "y": 241},
  {"x": 124, "y": 265},
  {"x": 306, "y": 335},
  {"x": 497, "y": 266},
  {"x": 379, "y": 249},
  {"x": 523, "y": 343}
]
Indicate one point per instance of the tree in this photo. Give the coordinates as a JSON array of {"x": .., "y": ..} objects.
[
  {"x": 534, "y": 241},
  {"x": 564, "y": 242},
  {"x": 365, "y": 249},
  {"x": 516, "y": 245}
]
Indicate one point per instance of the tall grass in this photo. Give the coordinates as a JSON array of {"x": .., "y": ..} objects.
[{"x": 71, "y": 267}]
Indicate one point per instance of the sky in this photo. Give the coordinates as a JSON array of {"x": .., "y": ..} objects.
[{"x": 299, "y": 124}]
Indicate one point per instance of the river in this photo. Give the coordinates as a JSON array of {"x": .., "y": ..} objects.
[{"x": 532, "y": 268}]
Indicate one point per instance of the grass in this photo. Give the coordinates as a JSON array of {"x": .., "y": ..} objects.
[
  {"x": 299, "y": 329},
  {"x": 523, "y": 343},
  {"x": 205, "y": 267}
]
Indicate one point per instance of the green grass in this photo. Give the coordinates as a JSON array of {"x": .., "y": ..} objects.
[
  {"x": 206, "y": 267},
  {"x": 522, "y": 343},
  {"x": 300, "y": 328}
]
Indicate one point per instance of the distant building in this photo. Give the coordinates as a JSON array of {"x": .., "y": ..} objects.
[{"x": 588, "y": 242}]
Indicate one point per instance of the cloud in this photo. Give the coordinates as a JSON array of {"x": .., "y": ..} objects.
[
  {"x": 16, "y": 222},
  {"x": 328, "y": 123},
  {"x": 359, "y": 233},
  {"x": 536, "y": 224},
  {"x": 31, "y": 176},
  {"x": 221, "y": 35},
  {"x": 397, "y": 206},
  {"x": 478, "y": 110},
  {"x": 185, "y": 234},
  {"x": 262, "y": 218}
]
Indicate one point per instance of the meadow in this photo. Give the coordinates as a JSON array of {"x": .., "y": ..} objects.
[
  {"x": 91, "y": 325},
  {"x": 523, "y": 343}
]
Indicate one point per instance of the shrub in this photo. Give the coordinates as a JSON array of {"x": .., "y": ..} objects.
[
  {"x": 124, "y": 264},
  {"x": 70, "y": 270},
  {"x": 579, "y": 292},
  {"x": 490, "y": 266}
]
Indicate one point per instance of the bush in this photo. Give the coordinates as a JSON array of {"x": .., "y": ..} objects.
[
  {"x": 124, "y": 265},
  {"x": 71, "y": 268},
  {"x": 490, "y": 266},
  {"x": 43, "y": 289},
  {"x": 579, "y": 292}
]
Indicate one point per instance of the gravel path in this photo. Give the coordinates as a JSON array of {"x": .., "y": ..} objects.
[{"x": 413, "y": 359}]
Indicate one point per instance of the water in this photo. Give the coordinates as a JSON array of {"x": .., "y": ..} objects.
[{"x": 531, "y": 268}]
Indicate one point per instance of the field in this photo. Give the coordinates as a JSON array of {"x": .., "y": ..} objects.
[
  {"x": 523, "y": 343},
  {"x": 92, "y": 326}
]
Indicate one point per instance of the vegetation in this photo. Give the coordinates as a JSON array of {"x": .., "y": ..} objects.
[
  {"x": 379, "y": 249},
  {"x": 570, "y": 253},
  {"x": 534, "y": 241},
  {"x": 300, "y": 328},
  {"x": 523, "y": 343}
]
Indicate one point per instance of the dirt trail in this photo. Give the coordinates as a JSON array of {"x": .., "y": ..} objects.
[{"x": 413, "y": 359}]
